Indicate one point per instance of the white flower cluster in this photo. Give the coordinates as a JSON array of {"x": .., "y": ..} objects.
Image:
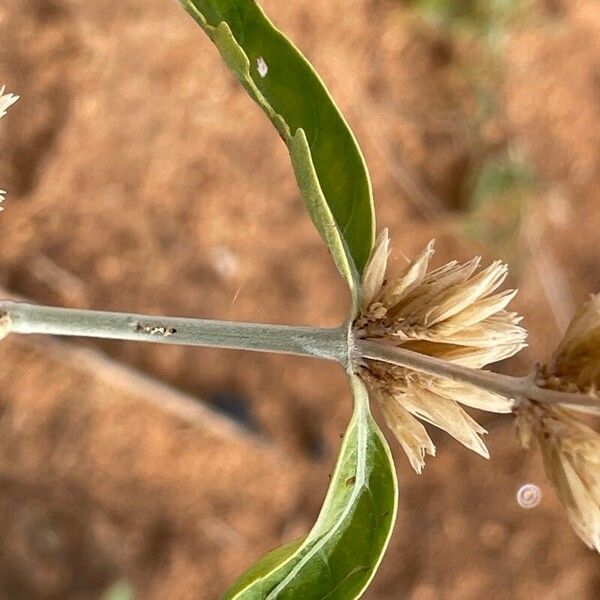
[
  {"x": 450, "y": 313},
  {"x": 6, "y": 101},
  {"x": 570, "y": 447}
]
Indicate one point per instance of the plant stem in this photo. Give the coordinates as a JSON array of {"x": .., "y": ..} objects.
[
  {"x": 27, "y": 318},
  {"x": 328, "y": 343},
  {"x": 516, "y": 388}
]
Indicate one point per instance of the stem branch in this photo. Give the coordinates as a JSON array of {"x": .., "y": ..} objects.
[
  {"x": 304, "y": 341},
  {"x": 331, "y": 344},
  {"x": 516, "y": 388}
]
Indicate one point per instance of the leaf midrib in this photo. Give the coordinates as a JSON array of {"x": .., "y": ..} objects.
[{"x": 361, "y": 462}]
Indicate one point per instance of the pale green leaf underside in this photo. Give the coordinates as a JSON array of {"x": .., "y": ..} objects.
[
  {"x": 339, "y": 557},
  {"x": 327, "y": 161}
]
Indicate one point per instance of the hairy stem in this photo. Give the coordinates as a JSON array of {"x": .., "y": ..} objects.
[
  {"x": 516, "y": 388},
  {"x": 21, "y": 317}
]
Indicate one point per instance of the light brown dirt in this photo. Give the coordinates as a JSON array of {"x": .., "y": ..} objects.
[{"x": 142, "y": 178}]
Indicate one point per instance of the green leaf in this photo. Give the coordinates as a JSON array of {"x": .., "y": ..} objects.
[
  {"x": 340, "y": 555},
  {"x": 262, "y": 568},
  {"x": 328, "y": 164}
]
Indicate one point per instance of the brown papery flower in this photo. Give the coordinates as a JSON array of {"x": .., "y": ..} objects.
[
  {"x": 6, "y": 100},
  {"x": 450, "y": 313},
  {"x": 570, "y": 448},
  {"x": 576, "y": 362}
]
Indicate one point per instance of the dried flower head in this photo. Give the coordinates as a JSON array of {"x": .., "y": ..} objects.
[
  {"x": 6, "y": 100},
  {"x": 5, "y": 325},
  {"x": 449, "y": 313},
  {"x": 570, "y": 448},
  {"x": 576, "y": 362},
  {"x": 571, "y": 455}
]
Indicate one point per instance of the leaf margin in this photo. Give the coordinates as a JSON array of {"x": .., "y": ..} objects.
[
  {"x": 362, "y": 415},
  {"x": 348, "y": 263}
]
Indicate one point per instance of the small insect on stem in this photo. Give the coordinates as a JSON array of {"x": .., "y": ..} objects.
[{"x": 155, "y": 329}]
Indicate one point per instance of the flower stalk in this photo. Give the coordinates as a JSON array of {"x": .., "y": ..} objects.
[
  {"x": 26, "y": 318},
  {"x": 515, "y": 388}
]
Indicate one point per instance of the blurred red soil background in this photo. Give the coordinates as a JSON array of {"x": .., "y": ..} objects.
[{"x": 140, "y": 177}]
